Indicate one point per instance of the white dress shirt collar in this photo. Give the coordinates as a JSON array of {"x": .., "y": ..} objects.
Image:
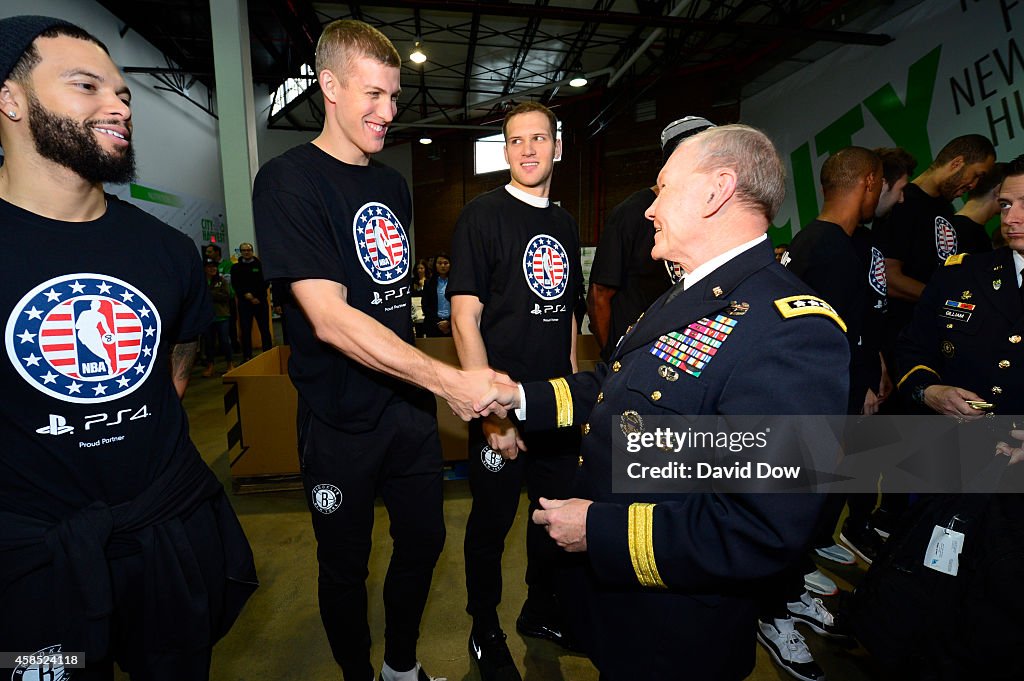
[{"x": 719, "y": 260}]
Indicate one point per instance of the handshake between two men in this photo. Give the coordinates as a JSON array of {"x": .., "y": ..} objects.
[
  {"x": 481, "y": 393},
  {"x": 493, "y": 395}
]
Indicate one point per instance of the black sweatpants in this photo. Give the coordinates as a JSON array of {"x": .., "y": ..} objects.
[
  {"x": 342, "y": 474},
  {"x": 548, "y": 468},
  {"x": 261, "y": 313}
]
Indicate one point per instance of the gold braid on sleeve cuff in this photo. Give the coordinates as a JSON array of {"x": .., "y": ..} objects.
[
  {"x": 563, "y": 401},
  {"x": 919, "y": 367},
  {"x": 641, "y": 545}
]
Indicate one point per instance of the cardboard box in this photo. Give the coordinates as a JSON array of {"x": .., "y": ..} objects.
[
  {"x": 260, "y": 406},
  {"x": 261, "y": 402}
]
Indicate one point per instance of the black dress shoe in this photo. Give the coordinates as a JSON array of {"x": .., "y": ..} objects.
[{"x": 548, "y": 628}]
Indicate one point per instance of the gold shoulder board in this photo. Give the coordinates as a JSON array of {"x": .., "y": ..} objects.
[
  {"x": 798, "y": 306},
  {"x": 955, "y": 259}
]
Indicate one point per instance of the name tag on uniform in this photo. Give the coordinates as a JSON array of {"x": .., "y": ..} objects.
[{"x": 958, "y": 315}]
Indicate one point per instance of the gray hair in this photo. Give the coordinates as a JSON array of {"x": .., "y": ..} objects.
[{"x": 760, "y": 174}]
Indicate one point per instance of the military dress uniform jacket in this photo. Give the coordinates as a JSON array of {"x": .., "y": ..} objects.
[
  {"x": 673, "y": 578},
  {"x": 967, "y": 332}
]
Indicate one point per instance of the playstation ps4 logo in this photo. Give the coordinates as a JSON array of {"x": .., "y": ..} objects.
[{"x": 58, "y": 426}]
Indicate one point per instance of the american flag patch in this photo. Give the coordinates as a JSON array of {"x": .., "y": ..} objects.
[
  {"x": 692, "y": 349},
  {"x": 945, "y": 238}
]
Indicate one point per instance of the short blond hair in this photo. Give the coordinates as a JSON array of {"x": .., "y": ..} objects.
[
  {"x": 345, "y": 40},
  {"x": 530, "y": 107},
  {"x": 760, "y": 173}
]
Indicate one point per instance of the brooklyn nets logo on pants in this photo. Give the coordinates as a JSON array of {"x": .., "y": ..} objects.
[
  {"x": 491, "y": 459},
  {"x": 326, "y": 498}
]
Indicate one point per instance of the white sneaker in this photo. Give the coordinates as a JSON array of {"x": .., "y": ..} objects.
[
  {"x": 816, "y": 582},
  {"x": 789, "y": 649},
  {"x": 416, "y": 672},
  {"x": 837, "y": 554},
  {"x": 813, "y": 613}
]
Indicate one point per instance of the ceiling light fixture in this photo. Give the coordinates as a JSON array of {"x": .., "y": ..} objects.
[
  {"x": 425, "y": 140},
  {"x": 417, "y": 55},
  {"x": 578, "y": 80}
]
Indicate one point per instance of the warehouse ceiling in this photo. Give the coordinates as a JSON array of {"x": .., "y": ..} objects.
[{"x": 481, "y": 56}]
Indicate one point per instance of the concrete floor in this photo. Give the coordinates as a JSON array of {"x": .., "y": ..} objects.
[{"x": 279, "y": 634}]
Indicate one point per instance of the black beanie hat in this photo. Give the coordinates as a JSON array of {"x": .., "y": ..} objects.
[{"x": 17, "y": 33}]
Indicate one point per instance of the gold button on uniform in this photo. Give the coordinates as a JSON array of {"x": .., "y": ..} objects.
[
  {"x": 1015, "y": 339},
  {"x": 1004, "y": 364},
  {"x": 600, "y": 398},
  {"x": 656, "y": 395},
  {"x": 586, "y": 428},
  {"x": 616, "y": 365}
]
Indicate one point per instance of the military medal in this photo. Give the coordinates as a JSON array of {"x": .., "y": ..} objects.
[
  {"x": 631, "y": 422},
  {"x": 737, "y": 309}
]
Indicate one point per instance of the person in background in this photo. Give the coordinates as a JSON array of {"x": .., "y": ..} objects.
[
  {"x": 625, "y": 279},
  {"x": 437, "y": 310},
  {"x": 251, "y": 298},
  {"x": 981, "y": 206},
  {"x": 217, "y": 332},
  {"x": 419, "y": 282}
]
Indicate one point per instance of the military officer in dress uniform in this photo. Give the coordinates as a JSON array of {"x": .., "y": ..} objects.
[
  {"x": 671, "y": 579},
  {"x": 963, "y": 353}
]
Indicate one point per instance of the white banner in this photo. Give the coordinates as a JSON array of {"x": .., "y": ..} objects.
[{"x": 955, "y": 67}]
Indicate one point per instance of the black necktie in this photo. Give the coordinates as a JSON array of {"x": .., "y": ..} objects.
[{"x": 676, "y": 290}]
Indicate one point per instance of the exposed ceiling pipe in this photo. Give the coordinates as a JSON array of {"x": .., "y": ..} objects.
[
  {"x": 655, "y": 34},
  {"x": 498, "y": 100}
]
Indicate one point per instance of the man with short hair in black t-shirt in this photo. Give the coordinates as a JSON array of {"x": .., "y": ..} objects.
[
  {"x": 332, "y": 224},
  {"x": 625, "y": 279},
  {"x": 829, "y": 257},
  {"x": 118, "y": 542},
  {"x": 516, "y": 292},
  {"x": 918, "y": 235},
  {"x": 981, "y": 205}
]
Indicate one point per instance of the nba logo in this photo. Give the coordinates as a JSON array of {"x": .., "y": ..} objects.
[
  {"x": 95, "y": 337},
  {"x": 84, "y": 337},
  {"x": 546, "y": 266},
  {"x": 381, "y": 243}
]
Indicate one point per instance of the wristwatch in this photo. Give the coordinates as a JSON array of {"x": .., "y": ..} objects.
[{"x": 917, "y": 394}]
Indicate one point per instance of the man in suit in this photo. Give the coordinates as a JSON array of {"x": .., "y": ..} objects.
[{"x": 670, "y": 580}]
